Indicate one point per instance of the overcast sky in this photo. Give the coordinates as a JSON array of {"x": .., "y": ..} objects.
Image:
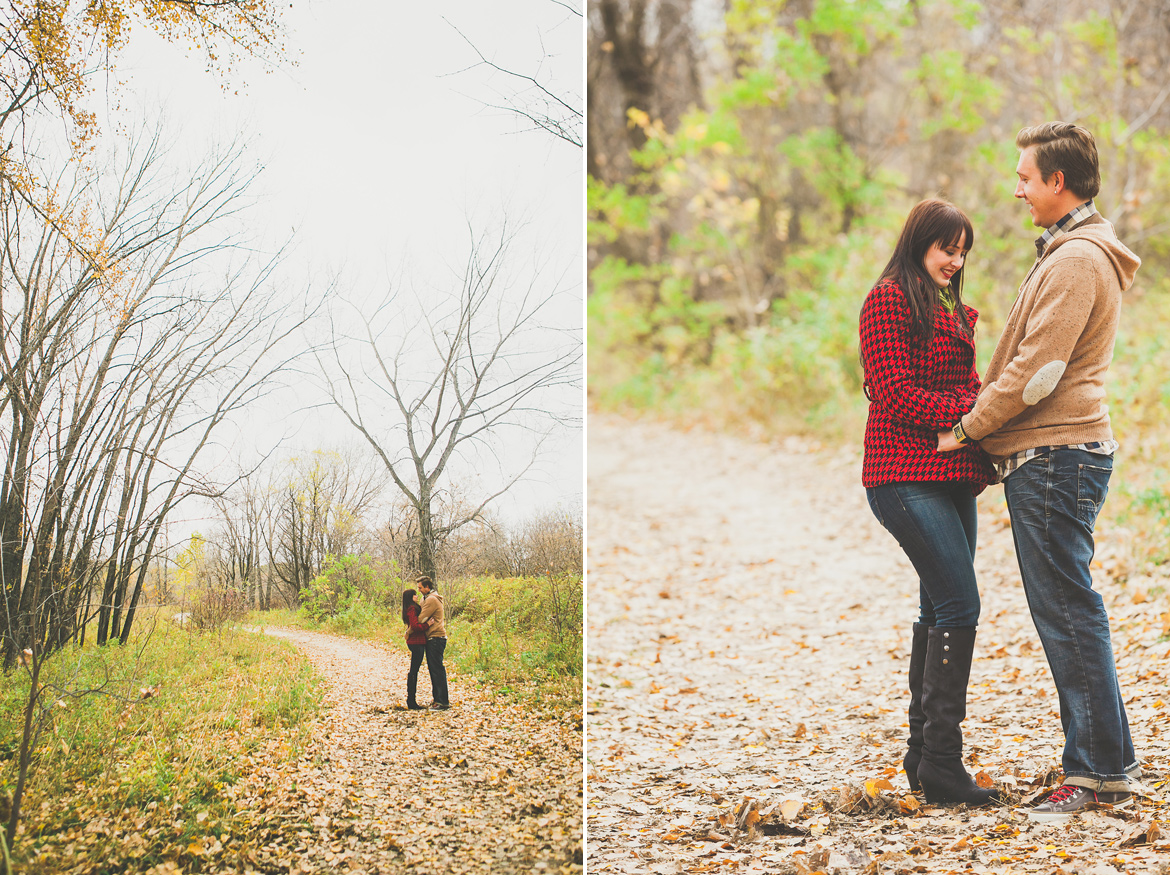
[{"x": 378, "y": 151}]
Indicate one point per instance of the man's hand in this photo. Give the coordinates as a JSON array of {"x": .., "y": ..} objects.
[{"x": 947, "y": 442}]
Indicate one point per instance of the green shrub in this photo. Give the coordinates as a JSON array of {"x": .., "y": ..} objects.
[{"x": 351, "y": 591}]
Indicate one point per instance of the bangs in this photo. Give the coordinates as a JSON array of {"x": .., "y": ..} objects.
[{"x": 955, "y": 230}]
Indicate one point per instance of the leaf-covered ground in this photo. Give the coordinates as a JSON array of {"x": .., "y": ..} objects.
[
  {"x": 488, "y": 786},
  {"x": 749, "y": 627}
]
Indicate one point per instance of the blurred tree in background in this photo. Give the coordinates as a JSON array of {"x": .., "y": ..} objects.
[{"x": 750, "y": 164}]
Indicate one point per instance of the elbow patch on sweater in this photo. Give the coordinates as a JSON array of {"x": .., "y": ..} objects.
[{"x": 1043, "y": 382}]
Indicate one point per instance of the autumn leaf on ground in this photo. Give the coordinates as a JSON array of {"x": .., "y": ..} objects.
[
  {"x": 790, "y": 808},
  {"x": 847, "y": 798},
  {"x": 1139, "y": 834},
  {"x": 748, "y": 814}
]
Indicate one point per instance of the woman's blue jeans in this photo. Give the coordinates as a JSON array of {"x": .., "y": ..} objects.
[
  {"x": 935, "y": 524},
  {"x": 417, "y": 654},
  {"x": 1053, "y": 501}
]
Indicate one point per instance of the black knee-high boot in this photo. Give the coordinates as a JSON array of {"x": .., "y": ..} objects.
[
  {"x": 916, "y": 716},
  {"x": 944, "y": 702}
]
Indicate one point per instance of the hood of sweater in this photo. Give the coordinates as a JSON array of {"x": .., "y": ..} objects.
[{"x": 1101, "y": 234}]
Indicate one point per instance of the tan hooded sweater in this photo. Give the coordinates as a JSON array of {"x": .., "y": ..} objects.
[
  {"x": 1045, "y": 383},
  {"x": 434, "y": 612}
]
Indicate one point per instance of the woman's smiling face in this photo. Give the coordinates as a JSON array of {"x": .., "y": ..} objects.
[{"x": 942, "y": 262}]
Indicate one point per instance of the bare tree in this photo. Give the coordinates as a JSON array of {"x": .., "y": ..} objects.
[
  {"x": 317, "y": 511},
  {"x": 450, "y": 550},
  {"x": 116, "y": 373},
  {"x": 120, "y": 358},
  {"x": 550, "y": 541},
  {"x": 487, "y": 380},
  {"x": 239, "y": 541},
  {"x": 534, "y": 96}
]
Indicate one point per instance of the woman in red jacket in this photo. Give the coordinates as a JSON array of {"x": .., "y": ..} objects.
[
  {"x": 918, "y": 354},
  {"x": 416, "y": 640}
]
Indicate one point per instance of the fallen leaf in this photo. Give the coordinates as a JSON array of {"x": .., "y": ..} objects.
[
  {"x": 789, "y": 808},
  {"x": 1138, "y": 834}
]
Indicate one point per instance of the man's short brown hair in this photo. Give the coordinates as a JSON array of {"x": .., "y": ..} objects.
[
  {"x": 422, "y": 580},
  {"x": 1068, "y": 148}
]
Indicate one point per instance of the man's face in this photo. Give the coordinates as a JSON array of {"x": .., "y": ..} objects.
[
  {"x": 424, "y": 589},
  {"x": 1040, "y": 196}
]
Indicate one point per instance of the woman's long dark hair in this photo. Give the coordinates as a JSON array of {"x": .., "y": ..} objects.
[
  {"x": 407, "y": 601},
  {"x": 931, "y": 221}
]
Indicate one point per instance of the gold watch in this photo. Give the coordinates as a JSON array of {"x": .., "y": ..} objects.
[{"x": 960, "y": 435}]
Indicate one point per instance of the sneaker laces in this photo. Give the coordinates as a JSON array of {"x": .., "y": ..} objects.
[{"x": 1061, "y": 794}]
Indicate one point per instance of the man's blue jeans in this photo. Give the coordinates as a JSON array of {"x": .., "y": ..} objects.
[
  {"x": 1053, "y": 501},
  {"x": 935, "y": 524},
  {"x": 434, "y": 653}
]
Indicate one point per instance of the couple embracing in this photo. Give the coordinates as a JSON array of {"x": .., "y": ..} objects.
[{"x": 937, "y": 436}]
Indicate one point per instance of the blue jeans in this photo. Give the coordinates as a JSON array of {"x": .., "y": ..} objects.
[
  {"x": 1053, "y": 501},
  {"x": 935, "y": 524},
  {"x": 417, "y": 652},
  {"x": 435, "y": 648}
]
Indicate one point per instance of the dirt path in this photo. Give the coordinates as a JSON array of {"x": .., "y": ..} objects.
[
  {"x": 488, "y": 786},
  {"x": 748, "y": 638}
]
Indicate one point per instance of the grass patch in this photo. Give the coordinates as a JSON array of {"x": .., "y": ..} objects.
[{"x": 145, "y": 743}]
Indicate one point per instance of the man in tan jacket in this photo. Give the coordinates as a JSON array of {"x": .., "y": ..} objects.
[
  {"x": 432, "y": 615},
  {"x": 1041, "y": 416}
]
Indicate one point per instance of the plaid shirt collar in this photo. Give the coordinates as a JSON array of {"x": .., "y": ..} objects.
[{"x": 1064, "y": 225}]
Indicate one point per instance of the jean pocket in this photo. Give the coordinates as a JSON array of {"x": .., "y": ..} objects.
[{"x": 1092, "y": 487}]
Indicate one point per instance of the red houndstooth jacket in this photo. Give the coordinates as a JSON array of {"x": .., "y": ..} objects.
[{"x": 915, "y": 391}]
